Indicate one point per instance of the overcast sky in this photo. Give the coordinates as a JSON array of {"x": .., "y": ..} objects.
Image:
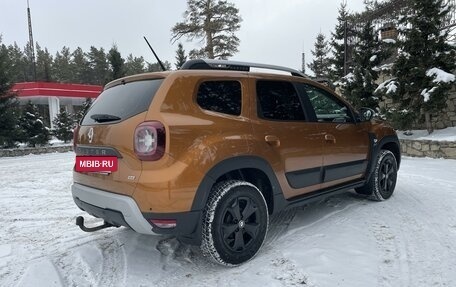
[{"x": 272, "y": 31}]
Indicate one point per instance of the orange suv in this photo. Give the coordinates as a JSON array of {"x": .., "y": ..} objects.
[{"x": 207, "y": 153}]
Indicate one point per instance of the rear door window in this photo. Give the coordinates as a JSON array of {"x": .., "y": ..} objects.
[
  {"x": 122, "y": 101},
  {"x": 278, "y": 100}
]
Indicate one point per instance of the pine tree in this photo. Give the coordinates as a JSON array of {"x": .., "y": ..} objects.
[
  {"x": 61, "y": 68},
  {"x": 43, "y": 64},
  {"x": 85, "y": 107},
  {"x": 134, "y": 65},
  {"x": 320, "y": 63},
  {"x": 18, "y": 64},
  {"x": 116, "y": 63},
  {"x": 422, "y": 71},
  {"x": 361, "y": 85},
  {"x": 155, "y": 67},
  {"x": 30, "y": 67},
  {"x": 181, "y": 58},
  {"x": 99, "y": 66},
  {"x": 64, "y": 125},
  {"x": 8, "y": 104},
  {"x": 213, "y": 22},
  {"x": 34, "y": 132},
  {"x": 337, "y": 61},
  {"x": 80, "y": 67}
]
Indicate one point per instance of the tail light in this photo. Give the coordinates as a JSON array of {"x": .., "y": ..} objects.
[
  {"x": 150, "y": 141},
  {"x": 75, "y": 136}
]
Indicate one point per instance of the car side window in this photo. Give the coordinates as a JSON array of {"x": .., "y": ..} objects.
[
  {"x": 327, "y": 107},
  {"x": 220, "y": 96},
  {"x": 278, "y": 100}
]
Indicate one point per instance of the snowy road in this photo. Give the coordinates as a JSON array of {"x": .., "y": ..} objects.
[{"x": 345, "y": 240}]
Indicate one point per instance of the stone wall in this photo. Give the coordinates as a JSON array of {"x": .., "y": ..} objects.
[
  {"x": 428, "y": 148},
  {"x": 448, "y": 116},
  {"x": 445, "y": 119},
  {"x": 36, "y": 150}
]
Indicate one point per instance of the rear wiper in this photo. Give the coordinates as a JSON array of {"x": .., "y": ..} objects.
[{"x": 102, "y": 118}]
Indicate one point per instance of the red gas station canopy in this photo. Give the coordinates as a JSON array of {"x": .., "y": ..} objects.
[{"x": 30, "y": 89}]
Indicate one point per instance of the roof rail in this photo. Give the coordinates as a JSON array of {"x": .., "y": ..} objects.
[{"x": 209, "y": 64}]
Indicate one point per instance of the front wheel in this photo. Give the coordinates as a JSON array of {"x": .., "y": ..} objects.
[
  {"x": 383, "y": 180},
  {"x": 235, "y": 222}
]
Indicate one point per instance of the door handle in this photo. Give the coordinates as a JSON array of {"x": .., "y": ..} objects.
[
  {"x": 330, "y": 138},
  {"x": 272, "y": 140}
]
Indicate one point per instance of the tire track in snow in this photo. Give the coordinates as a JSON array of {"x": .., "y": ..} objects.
[{"x": 415, "y": 237}]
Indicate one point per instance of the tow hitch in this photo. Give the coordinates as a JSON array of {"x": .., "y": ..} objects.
[{"x": 80, "y": 223}]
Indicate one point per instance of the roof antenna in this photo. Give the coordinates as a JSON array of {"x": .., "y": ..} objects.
[{"x": 156, "y": 57}]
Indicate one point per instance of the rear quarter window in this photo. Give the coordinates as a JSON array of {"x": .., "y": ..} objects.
[
  {"x": 123, "y": 101},
  {"x": 220, "y": 96}
]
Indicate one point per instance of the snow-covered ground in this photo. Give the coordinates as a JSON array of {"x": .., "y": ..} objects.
[
  {"x": 345, "y": 240},
  {"x": 447, "y": 134}
]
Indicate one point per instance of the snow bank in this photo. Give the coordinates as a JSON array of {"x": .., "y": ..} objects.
[{"x": 448, "y": 134}]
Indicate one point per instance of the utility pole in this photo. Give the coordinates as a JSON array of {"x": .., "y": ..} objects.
[{"x": 32, "y": 45}]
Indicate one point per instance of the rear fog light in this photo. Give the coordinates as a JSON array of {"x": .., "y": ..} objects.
[{"x": 164, "y": 223}]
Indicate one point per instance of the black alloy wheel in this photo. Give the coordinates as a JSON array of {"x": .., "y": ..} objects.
[
  {"x": 387, "y": 176},
  {"x": 235, "y": 222},
  {"x": 239, "y": 224}
]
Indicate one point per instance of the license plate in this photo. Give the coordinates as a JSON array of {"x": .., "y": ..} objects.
[{"x": 96, "y": 163}]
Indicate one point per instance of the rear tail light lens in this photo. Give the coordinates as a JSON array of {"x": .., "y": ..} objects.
[
  {"x": 164, "y": 223},
  {"x": 150, "y": 141}
]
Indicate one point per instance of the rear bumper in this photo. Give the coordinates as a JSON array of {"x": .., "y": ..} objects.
[
  {"x": 122, "y": 210},
  {"x": 104, "y": 204}
]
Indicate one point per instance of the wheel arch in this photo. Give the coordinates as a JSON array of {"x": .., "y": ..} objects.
[
  {"x": 248, "y": 168},
  {"x": 390, "y": 143}
]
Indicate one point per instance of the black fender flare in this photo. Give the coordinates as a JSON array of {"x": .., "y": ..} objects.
[
  {"x": 376, "y": 147},
  {"x": 227, "y": 165}
]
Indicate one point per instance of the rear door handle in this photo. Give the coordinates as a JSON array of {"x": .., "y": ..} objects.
[
  {"x": 272, "y": 140},
  {"x": 330, "y": 138}
]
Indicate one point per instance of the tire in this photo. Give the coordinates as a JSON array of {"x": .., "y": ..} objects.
[
  {"x": 235, "y": 223},
  {"x": 383, "y": 180}
]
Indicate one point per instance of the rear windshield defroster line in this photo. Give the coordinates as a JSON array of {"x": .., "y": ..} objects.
[{"x": 122, "y": 101}]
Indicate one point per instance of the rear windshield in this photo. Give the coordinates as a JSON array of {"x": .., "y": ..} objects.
[{"x": 123, "y": 101}]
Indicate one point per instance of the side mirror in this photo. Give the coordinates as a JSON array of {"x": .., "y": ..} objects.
[{"x": 366, "y": 114}]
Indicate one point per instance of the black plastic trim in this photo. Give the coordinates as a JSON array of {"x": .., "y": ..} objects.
[
  {"x": 110, "y": 216},
  {"x": 344, "y": 170},
  {"x": 372, "y": 155},
  {"x": 186, "y": 222},
  {"x": 220, "y": 169},
  {"x": 308, "y": 177},
  {"x": 210, "y": 64},
  {"x": 304, "y": 178},
  {"x": 377, "y": 146},
  {"x": 283, "y": 203},
  {"x": 226, "y": 166}
]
